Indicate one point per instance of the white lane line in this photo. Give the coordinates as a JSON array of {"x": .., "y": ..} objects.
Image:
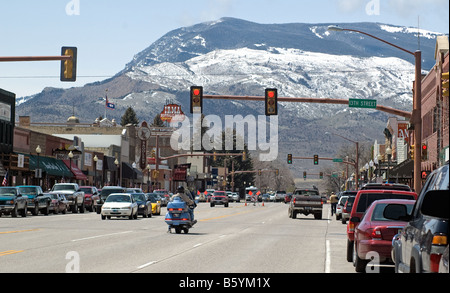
[
  {"x": 147, "y": 264},
  {"x": 328, "y": 258},
  {"x": 100, "y": 236},
  {"x": 197, "y": 245}
]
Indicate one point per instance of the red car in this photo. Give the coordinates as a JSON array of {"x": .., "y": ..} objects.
[
  {"x": 375, "y": 232},
  {"x": 91, "y": 195},
  {"x": 363, "y": 199}
]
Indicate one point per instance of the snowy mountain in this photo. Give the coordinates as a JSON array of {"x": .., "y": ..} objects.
[{"x": 237, "y": 57}]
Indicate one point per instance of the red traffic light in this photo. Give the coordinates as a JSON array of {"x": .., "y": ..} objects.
[{"x": 424, "y": 147}]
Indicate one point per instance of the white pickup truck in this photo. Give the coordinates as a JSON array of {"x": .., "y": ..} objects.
[{"x": 73, "y": 194}]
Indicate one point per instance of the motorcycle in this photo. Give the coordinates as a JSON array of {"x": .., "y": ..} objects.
[{"x": 178, "y": 216}]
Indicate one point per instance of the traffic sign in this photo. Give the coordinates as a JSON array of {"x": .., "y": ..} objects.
[
  {"x": 338, "y": 161},
  {"x": 360, "y": 103}
]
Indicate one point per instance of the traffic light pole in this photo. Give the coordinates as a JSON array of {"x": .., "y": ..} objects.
[
  {"x": 35, "y": 58},
  {"x": 385, "y": 109}
]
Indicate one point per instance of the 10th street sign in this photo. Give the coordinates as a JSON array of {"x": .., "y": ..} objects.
[{"x": 360, "y": 103}]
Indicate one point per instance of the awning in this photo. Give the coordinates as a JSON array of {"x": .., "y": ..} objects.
[
  {"x": 404, "y": 170},
  {"x": 128, "y": 172},
  {"x": 50, "y": 166},
  {"x": 78, "y": 174},
  {"x": 108, "y": 164}
]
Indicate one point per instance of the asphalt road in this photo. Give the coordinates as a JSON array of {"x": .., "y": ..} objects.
[{"x": 238, "y": 239}]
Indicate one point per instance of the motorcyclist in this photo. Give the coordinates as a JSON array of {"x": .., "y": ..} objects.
[{"x": 189, "y": 202}]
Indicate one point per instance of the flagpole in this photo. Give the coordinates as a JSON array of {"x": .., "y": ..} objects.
[{"x": 106, "y": 104}]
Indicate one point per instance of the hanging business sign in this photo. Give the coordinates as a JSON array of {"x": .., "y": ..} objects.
[{"x": 172, "y": 113}]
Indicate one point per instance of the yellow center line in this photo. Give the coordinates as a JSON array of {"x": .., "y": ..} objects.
[
  {"x": 22, "y": 231},
  {"x": 10, "y": 252}
]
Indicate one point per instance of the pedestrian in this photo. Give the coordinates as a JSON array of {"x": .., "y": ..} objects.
[{"x": 333, "y": 200}]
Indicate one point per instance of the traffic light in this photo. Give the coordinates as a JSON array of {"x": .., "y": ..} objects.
[
  {"x": 305, "y": 175},
  {"x": 259, "y": 172},
  {"x": 316, "y": 160},
  {"x": 321, "y": 175},
  {"x": 445, "y": 84},
  {"x": 424, "y": 152},
  {"x": 244, "y": 156},
  {"x": 289, "y": 159},
  {"x": 69, "y": 67},
  {"x": 411, "y": 151},
  {"x": 271, "y": 102},
  {"x": 196, "y": 99}
]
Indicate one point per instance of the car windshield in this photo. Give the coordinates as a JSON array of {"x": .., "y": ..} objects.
[
  {"x": 139, "y": 197},
  {"x": 366, "y": 199},
  {"x": 118, "y": 198},
  {"x": 378, "y": 211},
  {"x": 27, "y": 190},
  {"x": 8, "y": 191},
  {"x": 86, "y": 190},
  {"x": 64, "y": 187}
]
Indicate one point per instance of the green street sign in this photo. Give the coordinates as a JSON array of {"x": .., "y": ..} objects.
[
  {"x": 338, "y": 160},
  {"x": 360, "y": 103}
]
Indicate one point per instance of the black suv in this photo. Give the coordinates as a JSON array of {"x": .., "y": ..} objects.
[{"x": 421, "y": 244}]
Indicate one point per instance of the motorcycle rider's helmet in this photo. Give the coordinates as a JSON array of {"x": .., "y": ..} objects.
[{"x": 180, "y": 189}]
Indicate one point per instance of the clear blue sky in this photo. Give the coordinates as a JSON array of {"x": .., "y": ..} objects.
[{"x": 109, "y": 33}]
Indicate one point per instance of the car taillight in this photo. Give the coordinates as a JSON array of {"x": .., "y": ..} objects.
[
  {"x": 375, "y": 233},
  {"x": 294, "y": 200},
  {"x": 438, "y": 242},
  {"x": 351, "y": 226}
]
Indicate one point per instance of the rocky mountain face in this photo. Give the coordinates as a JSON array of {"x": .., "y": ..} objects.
[{"x": 237, "y": 57}]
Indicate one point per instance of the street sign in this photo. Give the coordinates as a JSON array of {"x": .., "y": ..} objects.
[
  {"x": 338, "y": 161},
  {"x": 360, "y": 103}
]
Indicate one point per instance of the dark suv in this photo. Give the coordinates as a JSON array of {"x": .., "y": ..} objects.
[{"x": 421, "y": 244}]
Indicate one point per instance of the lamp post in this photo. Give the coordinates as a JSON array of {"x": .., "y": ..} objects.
[
  {"x": 38, "y": 173},
  {"x": 149, "y": 169},
  {"x": 70, "y": 160},
  {"x": 416, "y": 120},
  {"x": 116, "y": 162},
  {"x": 389, "y": 157},
  {"x": 95, "y": 170}
]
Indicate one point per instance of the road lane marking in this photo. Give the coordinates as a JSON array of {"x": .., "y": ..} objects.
[
  {"x": 197, "y": 245},
  {"x": 21, "y": 231},
  {"x": 100, "y": 236},
  {"x": 10, "y": 252},
  {"x": 328, "y": 258},
  {"x": 147, "y": 264}
]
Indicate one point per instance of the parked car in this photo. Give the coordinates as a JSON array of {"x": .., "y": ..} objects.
[
  {"x": 120, "y": 205},
  {"x": 347, "y": 209},
  {"x": 91, "y": 195},
  {"x": 144, "y": 205},
  {"x": 155, "y": 200},
  {"x": 12, "y": 202},
  {"x": 59, "y": 203},
  {"x": 375, "y": 233},
  {"x": 219, "y": 198},
  {"x": 106, "y": 191},
  {"x": 363, "y": 199},
  {"x": 73, "y": 194},
  {"x": 236, "y": 197},
  {"x": 424, "y": 239},
  {"x": 37, "y": 201},
  {"x": 279, "y": 196},
  {"x": 340, "y": 206}
]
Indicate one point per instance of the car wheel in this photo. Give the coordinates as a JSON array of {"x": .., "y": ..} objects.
[
  {"x": 103, "y": 217},
  {"x": 358, "y": 263},
  {"x": 350, "y": 250}
]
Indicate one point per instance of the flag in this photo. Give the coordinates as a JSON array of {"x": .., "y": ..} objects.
[
  {"x": 109, "y": 105},
  {"x": 5, "y": 180}
]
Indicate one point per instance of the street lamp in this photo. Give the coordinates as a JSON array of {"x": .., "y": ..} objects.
[
  {"x": 149, "y": 169},
  {"x": 116, "y": 162},
  {"x": 95, "y": 170},
  {"x": 38, "y": 173},
  {"x": 389, "y": 157},
  {"x": 416, "y": 119},
  {"x": 70, "y": 160}
]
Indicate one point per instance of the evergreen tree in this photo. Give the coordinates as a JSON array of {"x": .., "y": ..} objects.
[
  {"x": 157, "y": 121},
  {"x": 129, "y": 117}
]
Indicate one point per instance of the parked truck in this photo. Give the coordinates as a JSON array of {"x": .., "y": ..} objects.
[
  {"x": 73, "y": 194},
  {"x": 306, "y": 201}
]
